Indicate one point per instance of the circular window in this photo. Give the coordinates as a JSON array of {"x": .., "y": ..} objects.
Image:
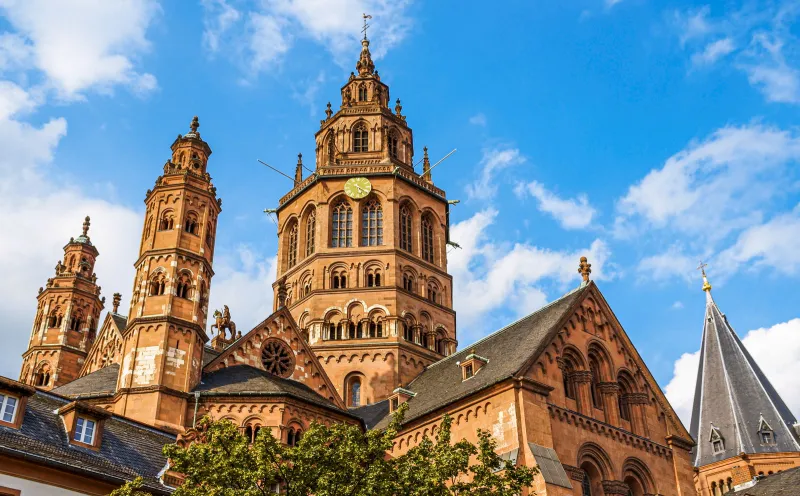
[{"x": 277, "y": 358}]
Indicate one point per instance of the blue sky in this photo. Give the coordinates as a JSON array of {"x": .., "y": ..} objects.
[{"x": 645, "y": 135}]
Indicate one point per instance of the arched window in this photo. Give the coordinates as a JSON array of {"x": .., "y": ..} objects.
[
  {"x": 292, "y": 246},
  {"x": 569, "y": 385},
  {"x": 76, "y": 321},
  {"x": 427, "y": 239},
  {"x": 184, "y": 287},
  {"x": 426, "y": 340},
  {"x": 202, "y": 293},
  {"x": 157, "y": 284},
  {"x": 342, "y": 225},
  {"x": 331, "y": 148},
  {"x": 311, "y": 227},
  {"x": 372, "y": 224},
  {"x": 625, "y": 389},
  {"x": 441, "y": 345},
  {"x": 339, "y": 280},
  {"x": 209, "y": 233},
  {"x": 351, "y": 330},
  {"x": 373, "y": 279},
  {"x": 376, "y": 329},
  {"x": 586, "y": 485},
  {"x": 362, "y": 92},
  {"x": 393, "y": 140},
  {"x": 148, "y": 227},
  {"x": 55, "y": 318},
  {"x": 167, "y": 221},
  {"x": 594, "y": 368},
  {"x": 192, "y": 226},
  {"x": 408, "y": 282},
  {"x": 408, "y": 332},
  {"x": 293, "y": 436},
  {"x": 405, "y": 228},
  {"x": 360, "y": 138},
  {"x": 334, "y": 332},
  {"x": 307, "y": 288},
  {"x": 354, "y": 392},
  {"x": 248, "y": 433},
  {"x": 433, "y": 294},
  {"x": 42, "y": 377}
]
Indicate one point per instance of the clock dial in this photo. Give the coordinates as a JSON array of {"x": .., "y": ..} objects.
[{"x": 357, "y": 187}]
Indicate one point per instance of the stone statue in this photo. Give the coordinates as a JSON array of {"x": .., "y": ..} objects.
[
  {"x": 224, "y": 322},
  {"x": 59, "y": 267}
]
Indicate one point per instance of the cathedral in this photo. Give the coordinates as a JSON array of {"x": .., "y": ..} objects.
[{"x": 363, "y": 321}]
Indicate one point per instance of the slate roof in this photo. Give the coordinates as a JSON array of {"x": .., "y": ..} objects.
[
  {"x": 121, "y": 321},
  {"x": 507, "y": 350},
  {"x": 244, "y": 380},
  {"x": 371, "y": 414},
  {"x": 733, "y": 394},
  {"x": 209, "y": 354},
  {"x": 127, "y": 449},
  {"x": 784, "y": 483},
  {"x": 101, "y": 382}
]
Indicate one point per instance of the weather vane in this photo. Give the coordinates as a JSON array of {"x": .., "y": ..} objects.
[{"x": 365, "y": 16}]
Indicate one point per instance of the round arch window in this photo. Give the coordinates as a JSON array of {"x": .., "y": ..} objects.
[{"x": 277, "y": 358}]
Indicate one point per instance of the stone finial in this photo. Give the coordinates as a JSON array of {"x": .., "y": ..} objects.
[
  {"x": 115, "y": 302},
  {"x": 86, "y": 224},
  {"x": 328, "y": 111},
  {"x": 365, "y": 66},
  {"x": 195, "y": 124},
  {"x": 282, "y": 293},
  {"x": 298, "y": 171},
  {"x": 584, "y": 269},
  {"x": 398, "y": 109},
  {"x": 426, "y": 166}
]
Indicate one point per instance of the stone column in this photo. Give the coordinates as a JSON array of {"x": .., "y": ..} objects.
[
  {"x": 637, "y": 402},
  {"x": 582, "y": 380},
  {"x": 609, "y": 392}
]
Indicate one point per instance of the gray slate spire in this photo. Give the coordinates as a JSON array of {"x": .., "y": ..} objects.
[{"x": 733, "y": 399}]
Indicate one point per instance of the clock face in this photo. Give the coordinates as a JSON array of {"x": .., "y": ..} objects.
[{"x": 357, "y": 187}]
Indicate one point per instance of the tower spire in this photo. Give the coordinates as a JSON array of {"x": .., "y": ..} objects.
[
  {"x": 298, "y": 171},
  {"x": 365, "y": 65},
  {"x": 426, "y": 165}
]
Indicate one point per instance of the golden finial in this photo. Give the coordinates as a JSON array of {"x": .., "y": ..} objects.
[
  {"x": 584, "y": 269},
  {"x": 702, "y": 269}
]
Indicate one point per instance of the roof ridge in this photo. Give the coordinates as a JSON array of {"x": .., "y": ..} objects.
[{"x": 508, "y": 326}]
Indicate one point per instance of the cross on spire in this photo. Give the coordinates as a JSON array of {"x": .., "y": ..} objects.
[{"x": 702, "y": 268}]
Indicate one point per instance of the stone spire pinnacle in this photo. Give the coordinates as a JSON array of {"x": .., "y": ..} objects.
[
  {"x": 194, "y": 125},
  {"x": 86, "y": 224},
  {"x": 584, "y": 269},
  {"x": 298, "y": 171},
  {"x": 365, "y": 66},
  {"x": 426, "y": 165},
  {"x": 115, "y": 302}
]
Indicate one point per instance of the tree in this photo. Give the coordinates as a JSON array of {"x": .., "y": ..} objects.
[{"x": 338, "y": 460}]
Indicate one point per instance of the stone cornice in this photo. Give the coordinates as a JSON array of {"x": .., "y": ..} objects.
[
  {"x": 54, "y": 347},
  {"x": 165, "y": 318},
  {"x": 179, "y": 251},
  {"x": 608, "y": 430}
]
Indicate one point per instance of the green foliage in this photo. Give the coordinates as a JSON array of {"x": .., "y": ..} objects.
[
  {"x": 132, "y": 488},
  {"x": 340, "y": 460}
]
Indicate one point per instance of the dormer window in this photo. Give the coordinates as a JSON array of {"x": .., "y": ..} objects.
[
  {"x": 471, "y": 365},
  {"x": 765, "y": 433},
  {"x": 84, "y": 430},
  {"x": 399, "y": 396},
  {"x": 8, "y": 408},
  {"x": 717, "y": 442}
]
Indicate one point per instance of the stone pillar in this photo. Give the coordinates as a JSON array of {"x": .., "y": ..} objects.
[
  {"x": 582, "y": 380},
  {"x": 615, "y": 487},
  {"x": 609, "y": 392},
  {"x": 637, "y": 402}
]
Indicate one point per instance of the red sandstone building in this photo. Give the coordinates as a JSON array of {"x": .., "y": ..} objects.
[{"x": 363, "y": 321}]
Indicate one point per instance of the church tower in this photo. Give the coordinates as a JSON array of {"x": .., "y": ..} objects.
[
  {"x": 362, "y": 247},
  {"x": 740, "y": 423},
  {"x": 165, "y": 332},
  {"x": 66, "y": 318}
]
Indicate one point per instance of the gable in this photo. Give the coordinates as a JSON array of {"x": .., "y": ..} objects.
[
  {"x": 107, "y": 347},
  {"x": 592, "y": 330},
  {"x": 277, "y": 346}
]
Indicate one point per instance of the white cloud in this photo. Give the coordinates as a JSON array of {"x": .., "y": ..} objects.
[
  {"x": 572, "y": 213},
  {"x": 776, "y": 350},
  {"x": 611, "y": 3},
  {"x": 770, "y": 72},
  {"x": 306, "y": 92},
  {"x": 677, "y": 305},
  {"x": 713, "y": 52},
  {"x": 714, "y": 186},
  {"x": 82, "y": 45},
  {"x": 692, "y": 24},
  {"x": 261, "y": 36},
  {"x": 494, "y": 276},
  {"x": 478, "y": 119},
  {"x": 244, "y": 283},
  {"x": 666, "y": 265},
  {"x": 493, "y": 161}
]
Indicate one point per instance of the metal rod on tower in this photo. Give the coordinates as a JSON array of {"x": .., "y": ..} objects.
[
  {"x": 276, "y": 170},
  {"x": 442, "y": 160}
]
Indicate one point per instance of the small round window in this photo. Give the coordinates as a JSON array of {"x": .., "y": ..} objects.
[{"x": 277, "y": 358}]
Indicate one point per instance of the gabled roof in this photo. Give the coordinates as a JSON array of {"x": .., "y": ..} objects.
[
  {"x": 127, "y": 449},
  {"x": 99, "y": 383},
  {"x": 244, "y": 380},
  {"x": 734, "y": 396},
  {"x": 507, "y": 350},
  {"x": 371, "y": 414}
]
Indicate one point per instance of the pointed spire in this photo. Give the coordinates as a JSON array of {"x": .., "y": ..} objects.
[
  {"x": 365, "y": 65},
  {"x": 298, "y": 171},
  {"x": 426, "y": 166},
  {"x": 584, "y": 269}
]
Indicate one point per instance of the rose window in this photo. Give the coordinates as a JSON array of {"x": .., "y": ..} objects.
[{"x": 277, "y": 358}]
